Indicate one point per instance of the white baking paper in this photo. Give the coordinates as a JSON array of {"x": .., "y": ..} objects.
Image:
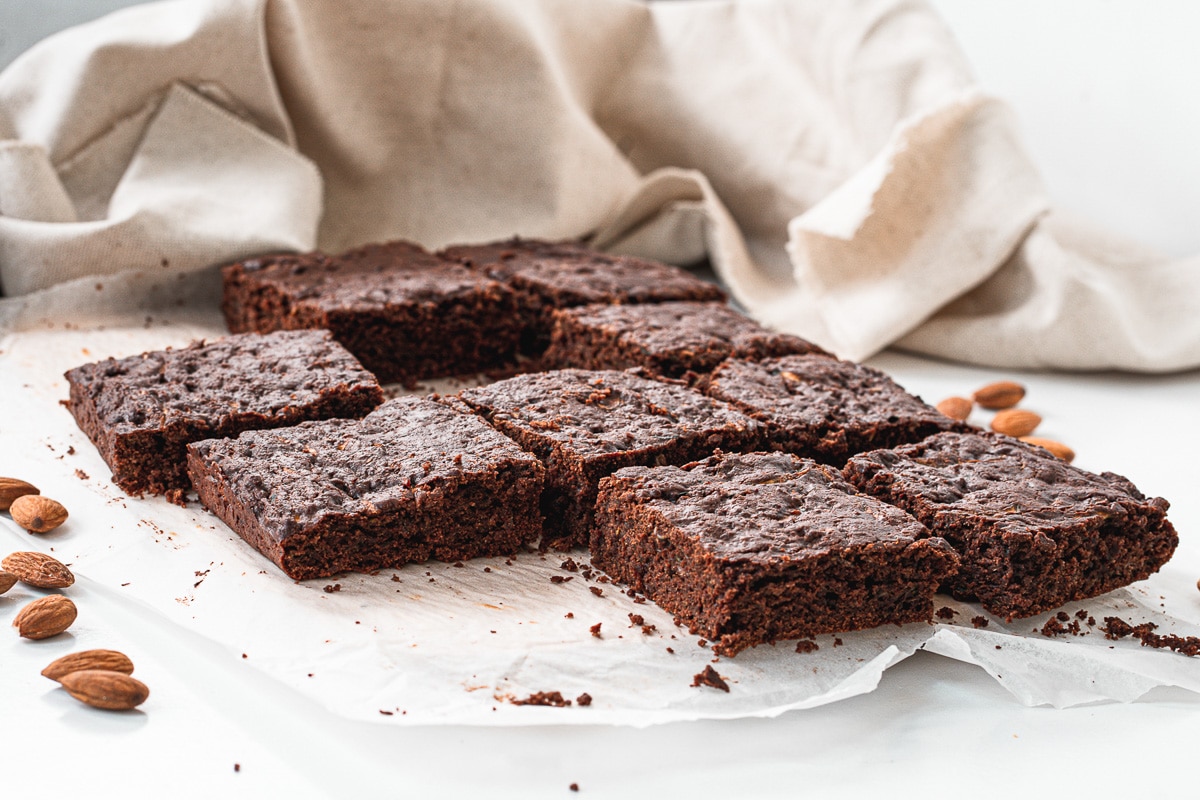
[{"x": 440, "y": 643}]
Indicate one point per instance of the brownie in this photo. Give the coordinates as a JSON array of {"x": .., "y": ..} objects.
[
  {"x": 584, "y": 425},
  {"x": 413, "y": 480},
  {"x": 669, "y": 339},
  {"x": 552, "y": 275},
  {"x": 405, "y": 313},
  {"x": 141, "y": 411},
  {"x": 753, "y": 548},
  {"x": 823, "y": 408},
  {"x": 1033, "y": 532}
]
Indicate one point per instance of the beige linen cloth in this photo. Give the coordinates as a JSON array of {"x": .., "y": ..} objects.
[{"x": 834, "y": 161}]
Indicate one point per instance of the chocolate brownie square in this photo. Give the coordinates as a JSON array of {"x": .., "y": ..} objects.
[
  {"x": 405, "y": 313},
  {"x": 1033, "y": 532},
  {"x": 747, "y": 549},
  {"x": 823, "y": 408},
  {"x": 669, "y": 339},
  {"x": 413, "y": 480},
  {"x": 584, "y": 425},
  {"x": 141, "y": 411},
  {"x": 551, "y": 275}
]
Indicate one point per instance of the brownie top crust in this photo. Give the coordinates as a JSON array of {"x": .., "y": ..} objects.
[
  {"x": 571, "y": 274},
  {"x": 767, "y": 507},
  {"x": 210, "y": 382},
  {"x": 372, "y": 276},
  {"x": 604, "y": 411},
  {"x": 691, "y": 326},
  {"x": 1015, "y": 487},
  {"x": 400, "y": 455}
]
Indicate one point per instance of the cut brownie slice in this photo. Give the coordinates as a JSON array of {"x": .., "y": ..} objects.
[
  {"x": 413, "y": 480},
  {"x": 823, "y": 408},
  {"x": 141, "y": 411},
  {"x": 584, "y": 425},
  {"x": 405, "y": 313},
  {"x": 669, "y": 339},
  {"x": 753, "y": 548},
  {"x": 1033, "y": 532},
  {"x": 551, "y": 275}
]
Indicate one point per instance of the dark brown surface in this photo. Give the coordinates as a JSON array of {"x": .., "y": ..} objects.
[
  {"x": 405, "y": 313},
  {"x": 823, "y": 408},
  {"x": 552, "y": 275},
  {"x": 669, "y": 339},
  {"x": 1033, "y": 532},
  {"x": 584, "y": 425},
  {"x": 753, "y": 548},
  {"x": 411, "y": 481},
  {"x": 141, "y": 411}
]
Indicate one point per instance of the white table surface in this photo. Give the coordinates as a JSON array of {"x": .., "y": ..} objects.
[{"x": 932, "y": 722}]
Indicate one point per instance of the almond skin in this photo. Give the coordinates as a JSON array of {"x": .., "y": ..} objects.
[
  {"x": 102, "y": 688},
  {"x": 958, "y": 408},
  {"x": 1015, "y": 422},
  {"x": 37, "y": 514},
  {"x": 11, "y": 489},
  {"x": 45, "y": 617},
  {"x": 1056, "y": 448},
  {"x": 1001, "y": 394},
  {"x": 109, "y": 660},
  {"x": 7, "y": 581},
  {"x": 38, "y": 569}
]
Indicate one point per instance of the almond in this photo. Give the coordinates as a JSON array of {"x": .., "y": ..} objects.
[
  {"x": 1001, "y": 394},
  {"x": 45, "y": 617},
  {"x": 38, "y": 569},
  {"x": 107, "y": 689},
  {"x": 1056, "y": 448},
  {"x": 110, "y": 660},
  {"x": 1015, "y": 422},
  {"x": 11, "y": 489},
  {"x": 958, "y": 408},
  {"x": 7, "y": 581},
  {"x": 37, "y": 514}
]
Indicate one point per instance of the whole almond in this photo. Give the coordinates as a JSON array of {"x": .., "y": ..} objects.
[
  {"x": 38, "y": 569},
  {"x": 110, "y": 660},
  {"x": 107, "y": 689},
  {"x": 958, "y": 408},
  {"x": 1001, "y": 394},
  {"x": 7, "y": 581},
  {"x": 1015, "y": 422},
  {"x": 37, "y": 514},
  {"x": 1056, "y": 448},
  {"x": 11, "y": 489},
  {"x": 45, "y": 617}
]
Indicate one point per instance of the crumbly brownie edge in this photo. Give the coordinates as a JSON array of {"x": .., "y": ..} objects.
[
  {"x": 737, "y": 606},
  {"x": 138, "y": 461}
]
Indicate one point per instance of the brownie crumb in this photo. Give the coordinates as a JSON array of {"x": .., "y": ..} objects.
[
  {"x": 584, "y": 699},
  {"x": 595, "y": 629},
  {"x": 569, "y": 615},
  {"x": 237, "y": 767},
  {"x": 837, "y": 641},
  {"x": 636, "y": 619},
  {"x": 1081, "y": 614},
  {"x": 459, "y": 564},
  {"x": 1053, "y": 627},
  {"x": 596, "y": 590},
  {"x": 554, "y": 699},
  {"x": 671, "y": 650},
  {"x": 1062, "y": 616},
  {"x": 1117, "y": 628},
  {"x": 946, "y": 612},
  {"x": 574, "y": 787},
  {"x": 71, "y": 451},
  {"x": 807, "y": 646},
  {"x": 648, "y": 629},
  {"x": 386, "y": 713},
  {"x": 559, "y": 578},
  {"x": 979, "y": 622},
  {"x": 710, "y": 678},
  {"x": 569, "y": 565},
  {"x": 83, "y": 476},
  {"x": 330, "y": 588}
]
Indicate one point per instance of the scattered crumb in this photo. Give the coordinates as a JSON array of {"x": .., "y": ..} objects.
[
  {"x": 83, "y": 476},
  {"x": 459, "y": 564},
  {"x": 807, "y": 646},
  {"x": 1117, "y": 628},
  {"x": 946, "y": 612},
  {"x": 671, "y": 650},
  {"x": 584, "y": 699},
  {"x": 636, "y": 619},
  {"x": 569, "y": 615},
  {"x": 71, "y": 450},
  {"x": 710, "y": 678},
  {"x": 569, "y": 565},
  {"x": 174, "y": 496},
  {"x": 595, "y": 629},
  {"x": 560, "y": 578},
  {"x": 648, "y": 629},
  {"x": 330, "y": 588},
  {"x": 386, "y": 713},
  {"x": 1062, "y": 616},
  {"x": 237, "y": 767},
  {"x": 980, "y": 621},
  {"x": 487, "y": 569},
  {"x": 554, "y": 699},
  {"x": 574, "y": 787},
  {"x": 596, "y": 590}
]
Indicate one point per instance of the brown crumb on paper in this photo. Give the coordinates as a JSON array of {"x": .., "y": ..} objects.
[
  {"x": 710, "y": 677},
  {"x": 554, "y": 699}
]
